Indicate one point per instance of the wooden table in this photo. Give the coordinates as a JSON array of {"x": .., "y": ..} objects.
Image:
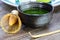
[{"x": 23, "y": 35}]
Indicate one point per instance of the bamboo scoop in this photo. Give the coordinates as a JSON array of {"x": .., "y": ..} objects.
[
  {"x": 45, "y": 34},
  {"x": 11, "y": 22}
]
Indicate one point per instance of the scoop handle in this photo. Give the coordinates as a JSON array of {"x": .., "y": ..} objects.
[{"x": 45, "y": 34}]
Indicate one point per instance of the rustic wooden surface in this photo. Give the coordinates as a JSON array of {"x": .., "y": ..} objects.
[{"x": 23, "y": 35}]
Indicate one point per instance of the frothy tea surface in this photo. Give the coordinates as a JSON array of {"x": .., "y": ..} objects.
[{"x": 35, "y": 11}]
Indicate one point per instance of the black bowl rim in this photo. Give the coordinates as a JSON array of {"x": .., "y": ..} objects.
[{"x": 36, "y": 14}]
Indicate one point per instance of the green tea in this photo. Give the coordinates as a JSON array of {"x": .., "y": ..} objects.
[{"x": 35, "y": 11}]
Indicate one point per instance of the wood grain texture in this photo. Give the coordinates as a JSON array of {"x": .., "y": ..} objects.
[{"x": 23, "y": 35}]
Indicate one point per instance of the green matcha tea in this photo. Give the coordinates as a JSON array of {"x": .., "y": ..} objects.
[{"x": 35, "y": 11}]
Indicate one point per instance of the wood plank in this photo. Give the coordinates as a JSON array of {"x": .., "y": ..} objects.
[{"x": 23, "y": 35}]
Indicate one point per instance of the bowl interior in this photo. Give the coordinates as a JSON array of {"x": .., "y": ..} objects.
[{"x": 27, "y": 6}]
